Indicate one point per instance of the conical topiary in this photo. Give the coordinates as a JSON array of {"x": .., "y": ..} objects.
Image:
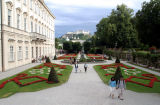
[
  {"x": 48, "y": 60},
  {"x": 110, "y": 58},
  {"x": 118, "y": 74},
  {"x": 52, "y": 78},
  {"x": 55, "y": 57},
  {"x": 117, "y": 60}
]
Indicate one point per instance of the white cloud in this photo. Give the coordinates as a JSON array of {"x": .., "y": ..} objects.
[
  {"x": 85, "y": 13},
  {"x": 135, "y": 4}
]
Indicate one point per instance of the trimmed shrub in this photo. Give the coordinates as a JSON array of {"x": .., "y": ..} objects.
[
  {"x": 110, "y": 58},
  {"x": 55, "y": 57},
  {"x": 134, "y": 56},
  {"x": 48, "y": 60},
  {"x": 118, "y": 74},
  {"x": 52, "y": 78},
  {"x": 117, "y": 60}
]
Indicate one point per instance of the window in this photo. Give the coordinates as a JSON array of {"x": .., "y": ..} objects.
[
  {"x": 39, "y": 11},
  {"x": 26, "y": 52},
  {"x": 25, "y": 24},
  {"x": 18, "y": 20},
  {"x": 35, "y": 27},
  {"x": 32, "y": 52},
  {"x": 11, "y": 53},
  {"x": 39, "y": 29},
  {"x": 24, "y": 2},
  {"x": 31, "y": 26},
  {"x": 20, "y": 54},
  {"x": 31, "y": 4},
  {"x": 9, "y": 17}
]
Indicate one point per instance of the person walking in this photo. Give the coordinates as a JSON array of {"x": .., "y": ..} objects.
[
  {"x": 121, "y": 86},
  {"x": 85, "y": 67},
  {"x": 76, "y": 67},
  {"x": 112, "y": 84},
  {"x": 40, "y": 59},
  {"x": 74, "y": 60}
]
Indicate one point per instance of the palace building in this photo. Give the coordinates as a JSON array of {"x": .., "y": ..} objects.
[{"x": 27, "y": 32}]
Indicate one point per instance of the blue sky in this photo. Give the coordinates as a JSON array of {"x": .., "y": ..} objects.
[{"x": 72, "y": 15}]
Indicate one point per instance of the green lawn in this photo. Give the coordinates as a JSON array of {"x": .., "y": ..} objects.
[
  {"x": 130, "y": 86},
  {"x": 11, "y": 87}
]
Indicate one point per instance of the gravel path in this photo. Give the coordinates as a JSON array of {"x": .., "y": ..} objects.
[{"x": 81, "y": 89}]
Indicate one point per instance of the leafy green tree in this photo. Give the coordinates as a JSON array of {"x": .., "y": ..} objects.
[
  {"x": 87, "y": 46},
  {"x": 125, "y": 34},
  {"x": 72, "y": 47},
  {"x": 101, "y": 33},
  {"x": 76, "y": 47},
  {"x": 117, "y": 28},
  {"x": 56, "y": 42},
  {"x": 148, "y": 23},
  {"x": 68, "y": 46}
]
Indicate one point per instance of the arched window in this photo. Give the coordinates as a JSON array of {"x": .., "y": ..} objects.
[
  {"x": 9, "y": 15},
  {"x": 25, "y": 21},
  {"x": 24, "y": 2},
  {"x": 18, "y": 18},
  {"x": 31, "y": 4}
]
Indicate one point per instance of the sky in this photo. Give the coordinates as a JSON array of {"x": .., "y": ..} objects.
[{"x": 72, "y": 15}]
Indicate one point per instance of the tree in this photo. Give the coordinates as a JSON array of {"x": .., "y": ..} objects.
[
  {"x": 101, "y": 33},
  {"x": 68, "y": 46},
  {"x": 125, "y": 34},
  {"x": 72, "y": 47},
  {"x": 76, "y": 47},
  {"x": 52, "y": 78},
  {"x": 87, "y": 46},
  {"x": 118, "y": 74},
  {"x": 117, "y": 28},
  {"x": 148, "y": 23},
  {"x": 56, "y": 42}
]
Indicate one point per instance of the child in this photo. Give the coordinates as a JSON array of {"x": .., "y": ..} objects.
[
  {"x": 112, "y": 84},
  {"x": 121, "y": 86}
]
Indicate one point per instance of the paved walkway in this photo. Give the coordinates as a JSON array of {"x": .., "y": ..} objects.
[
  {"x": 17, "y": 70},
  {"x": 81, "y": 89}
]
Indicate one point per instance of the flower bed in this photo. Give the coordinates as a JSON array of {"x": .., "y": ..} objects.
[
  {"x": 136, "y": 79},
  {"x": 51, "y": 65},
  {"x": 115, "y": 66},
  {"x": 67, "y": 56},
  {"x": 23, "y": 76},
  {"x": 33, "y": 79},
  {"x": 96, "y": 56}
]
